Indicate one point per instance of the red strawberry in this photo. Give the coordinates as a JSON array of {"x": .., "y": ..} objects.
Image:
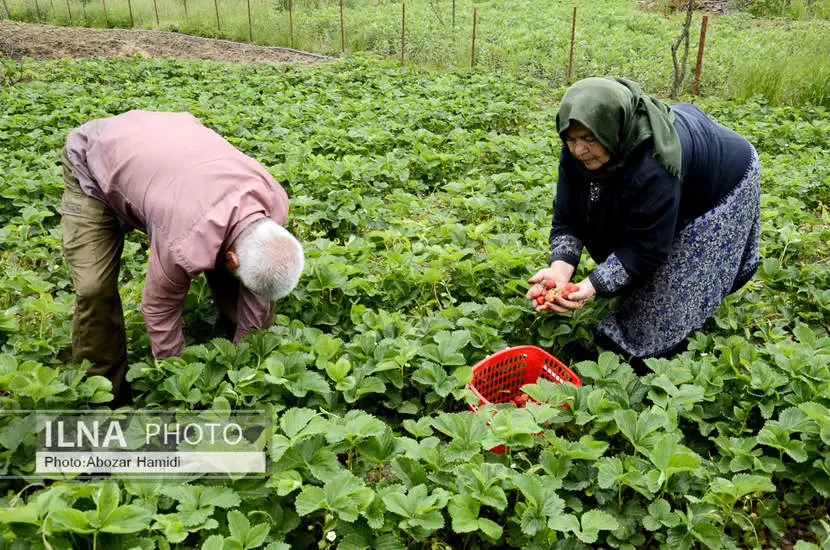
[
  {"x": 569, "y": 288},
  {"x": 521, "y": 399}
]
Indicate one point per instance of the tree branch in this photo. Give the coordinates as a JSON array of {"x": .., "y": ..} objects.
[{"x": 683, "y": 39}]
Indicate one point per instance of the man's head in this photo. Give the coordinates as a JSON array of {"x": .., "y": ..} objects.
[{"x": 267, "y": 259}]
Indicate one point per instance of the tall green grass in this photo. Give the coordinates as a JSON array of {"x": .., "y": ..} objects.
[
  {"x": 794, "y": 9},
  {"x": 784, "y": 79},
  {"x": 783, "y": 59},
  {"x": 787, "y": 62}
]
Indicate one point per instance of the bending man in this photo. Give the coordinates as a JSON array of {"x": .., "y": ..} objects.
[{"x": 205, "y": 206}]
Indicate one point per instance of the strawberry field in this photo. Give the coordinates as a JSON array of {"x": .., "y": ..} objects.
[{"x": 424, "y": 201}]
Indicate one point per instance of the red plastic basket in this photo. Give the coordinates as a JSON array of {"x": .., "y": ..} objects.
[{"x": 498, "y": 378}]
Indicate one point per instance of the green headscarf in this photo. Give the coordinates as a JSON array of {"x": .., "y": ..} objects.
[{"x": 621, "y": 118}]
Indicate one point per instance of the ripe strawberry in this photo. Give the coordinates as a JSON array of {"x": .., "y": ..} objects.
[
  {"x": 569, "y": 288},
  {"x": 550, "y": 284},
  {"x": 540, "y": 300},
  {"x": 521, "y": 399}
]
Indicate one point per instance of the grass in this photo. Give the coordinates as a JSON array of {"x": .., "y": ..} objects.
[
  {"x": 784, "y": 78},
  {"x": 786, "y": 60}
]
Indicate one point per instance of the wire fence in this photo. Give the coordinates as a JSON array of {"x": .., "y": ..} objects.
[{"x": 261, "y": 22}]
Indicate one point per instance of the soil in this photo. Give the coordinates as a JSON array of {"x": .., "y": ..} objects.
[{"x": 29, "y": 40}]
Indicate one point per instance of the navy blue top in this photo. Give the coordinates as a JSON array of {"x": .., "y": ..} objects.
[{"x": 633, "y": 210}]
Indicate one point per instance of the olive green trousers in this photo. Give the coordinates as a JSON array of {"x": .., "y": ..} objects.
[{"x": 93, "y": 241}]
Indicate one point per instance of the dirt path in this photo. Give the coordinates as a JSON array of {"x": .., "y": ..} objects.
[{"x": 19, "y": 40}]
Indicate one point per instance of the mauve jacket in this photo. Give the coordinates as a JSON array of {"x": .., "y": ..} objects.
[{"x": 191, "y": 191}]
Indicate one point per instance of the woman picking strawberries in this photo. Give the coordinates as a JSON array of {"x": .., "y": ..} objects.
[{"x": 664, "y": 199}]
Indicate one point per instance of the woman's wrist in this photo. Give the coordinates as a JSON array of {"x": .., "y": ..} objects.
[{"x": 563, "y": 268}]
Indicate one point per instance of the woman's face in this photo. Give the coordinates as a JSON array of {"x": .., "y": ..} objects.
[{"x": 584, "y": 147}]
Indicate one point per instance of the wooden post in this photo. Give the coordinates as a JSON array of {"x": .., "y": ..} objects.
[
  {"x": 473, "y": 53},
  {"x": 130, "y": 7},
  {"x": 37, "y": 10},
  {"x": 69, "y": 11},
  {"x": 291, "y": 21},
  {"x": 453, "y": 15},
  {"x": 186, "y": 18},
  {"x": 250, "y": 24},
  {"x": 156, "y": 9},
  {"x": 342, "y": 30},
  {"x": 403, "y": 29},
  {"x": 573, "y": 36},
  {"x": 106, "y": 16},
  {"x": 218, "y": 24},
  {"x": 700, "y": 53}
]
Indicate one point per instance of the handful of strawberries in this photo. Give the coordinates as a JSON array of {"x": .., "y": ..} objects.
[{"x": 549, "y": 294}]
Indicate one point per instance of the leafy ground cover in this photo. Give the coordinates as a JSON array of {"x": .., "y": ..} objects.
[{"x": 423, "y": 199}]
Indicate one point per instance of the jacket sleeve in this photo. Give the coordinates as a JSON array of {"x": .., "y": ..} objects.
[
  {"x": 653, "y": 202},
  {"x": 564, "y": 243},
  {"x": 252, "y": 311},
  {"x": 162, "y": 304}
]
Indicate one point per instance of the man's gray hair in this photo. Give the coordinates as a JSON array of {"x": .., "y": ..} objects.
[{"x": 270, "y": 259}]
